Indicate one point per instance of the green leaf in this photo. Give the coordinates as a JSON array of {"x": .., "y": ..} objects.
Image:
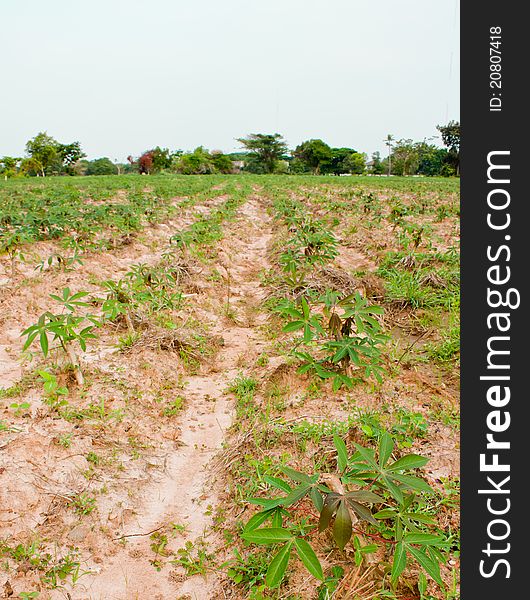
[
  {"x": 342, "y": 528},
  {"x": 342, "y": 453},
  {"x": 309, "y": 558},
  {"x": 293, "y": 326},
  {"x": 316, "y": 496},
  {"x": 296, "y": 475},
  {"x": 277, "y": 519},
  {"x": 411, "y": 461},
  {"x": 362, "y": 512},
  {"x": 269, "y": 535},
  {"x": 364, "y": 496},
  {"x": 400, "y": 561},
  {"x": 328, "y": 510},
  {"x": 278, "y": 565},
  {"x": 46, "y": 376},
  {"x": 386, "y": 446},
  {"x": 413, "y": 483},
  {"x": 431, "y": 567},
  {"x": 278, "y": 483},
  {"x": 367, "y": 455},
  {"x": 426, "y": 539},
  {"x": 386, "y": 513},
  {"x": 393, "y": 489},
  {"x": 305, "y": 308},
  {"x": 255, "y": 521},
  {"x": 422, "y": 583},
  {"x": 296, "y": 494},
  {"x": 43, "y": 339}
]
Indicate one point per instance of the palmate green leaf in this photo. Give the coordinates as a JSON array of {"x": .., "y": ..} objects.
[
  {"x": 342, "y": 453},
  {"x": 48, "y": 377},
  {"x": 305, "y": 308},
  {"x": 400, "y": 561},
  {"x": 420, "y": 517},
  {"x": 342, "y": 528},
  {"x": 410, "y": 461},
  {"x": 339, "y": 380},
  {"x": 277, "y": 518},
  {"x": 309, "y": 558},
  {"x": 278, "y": 565},
  {"x": 431, "y": 566},
  {"x": 267, "y": 535},
  {"x": 386, "y": 446}
]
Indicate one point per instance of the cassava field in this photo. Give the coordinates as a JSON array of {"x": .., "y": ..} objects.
[{"x": 229, "y": 387}]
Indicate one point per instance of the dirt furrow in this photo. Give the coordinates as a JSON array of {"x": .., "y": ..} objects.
[{"x": 185, "y": 493}]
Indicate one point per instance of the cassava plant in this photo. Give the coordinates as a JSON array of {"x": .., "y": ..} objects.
[
  {"x": 371, "y": 494},
  {"x": 69, "y": 328},
  {"x": 337, "y": 335}
]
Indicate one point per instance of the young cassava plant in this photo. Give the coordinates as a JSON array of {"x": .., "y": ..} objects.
[
  {"x": 371, "y": 493},
  {"x": 69, "y": 328}
]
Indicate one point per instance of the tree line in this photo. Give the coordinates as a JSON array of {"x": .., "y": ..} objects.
[{"x": 260, "y": 154}]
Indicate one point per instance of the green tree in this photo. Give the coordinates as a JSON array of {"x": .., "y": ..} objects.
[
  {"x": 451, "y": 139},
  {"x": 377, "y": 164},
  {"x": 388, "y": 142},
  {"x": 48, "y": 156},
  {"x": 265, "y": 149},
  {"x": 336, "y": 164},
  {"x": 9, "y": 166},
  {"x": 100, "y": 166},
  {"x": 198, "y": 162},
  {"x": 355, "y": 163},
  {"x": 314, "y": 154},
  {"x": 70, "y": 153},
  {"x": 162, "y": 159},
  {"x": 431, "y": 159},
  {"x": 221, "y": 162},
  {"x": 44, "y": 152},
  {"x": 404, "y": 158}
]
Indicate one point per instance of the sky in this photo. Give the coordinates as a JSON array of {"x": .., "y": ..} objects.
[{"x": 123, "y": 76}]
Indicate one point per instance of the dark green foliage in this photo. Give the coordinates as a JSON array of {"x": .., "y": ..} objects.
[{"x": 265, "y": 149}]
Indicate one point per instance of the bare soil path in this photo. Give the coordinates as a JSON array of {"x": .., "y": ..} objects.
[{"x": 185, "y": 493}]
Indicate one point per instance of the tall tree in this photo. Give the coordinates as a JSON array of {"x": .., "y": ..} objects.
[
  {"x": 314, "y": 154},
  {"x": 355, "y": 163},
  {"x": 388, "y": 141},
  {"x": 49, "y": 156},
  {"x": 404, "y": 157},
  {"x": 451, "y": 139},
  {"x": 43, "y": 149},
  {"x": 8, "y": 166},
  {"x": 377, "y": 165},
  {"x": 266, "y": 149}
]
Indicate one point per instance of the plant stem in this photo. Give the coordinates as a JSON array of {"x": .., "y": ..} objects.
[{"x": 75, "y": 363}]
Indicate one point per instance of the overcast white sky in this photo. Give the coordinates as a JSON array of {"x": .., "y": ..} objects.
[{"x": 122, "y": 76}]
